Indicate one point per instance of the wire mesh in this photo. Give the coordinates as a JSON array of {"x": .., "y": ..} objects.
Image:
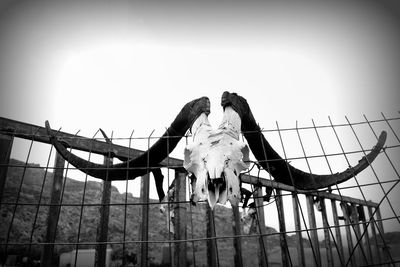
[{"x": 54, "y": 215}]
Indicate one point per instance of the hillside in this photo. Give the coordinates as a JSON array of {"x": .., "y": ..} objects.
[
  {"x": 26, "y": 213},
  {"x": 29, "y": 222}
]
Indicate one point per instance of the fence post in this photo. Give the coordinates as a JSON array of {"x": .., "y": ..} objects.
[
  {"x": 263, "y": 256},
  {"x": 338, "y": 235},
  {"x": 180, "y": 211},
  {"x": 366, "y": 236},
  {"x": 237, "y": 241},
  {"x": 6, "y": 142},
  {"x": 313, "y": 226},
  {"x": 355, "y": 220},
  {"x": 144, "y": 235},
  {"x": 102, "y": 227},
  {"x": 297, "y": 224},
  {"x": 54, "y": 211},
  {"x": 211, "y": 243},
  {"x": 328, "y": 244},
  {"x": 372, "y": 223},
  {"x": 350, "y": 245},
  {"x": 382, "y": 232},
  {"x": 282, "y": 229}
]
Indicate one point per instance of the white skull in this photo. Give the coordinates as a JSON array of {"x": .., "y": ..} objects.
[{"x": 216, "y": 158}]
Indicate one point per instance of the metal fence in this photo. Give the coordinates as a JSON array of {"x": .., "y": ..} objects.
[{"x": 50, "y": 216}]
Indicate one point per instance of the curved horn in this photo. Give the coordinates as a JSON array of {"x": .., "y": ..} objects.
[
  {"x": 149, "y": 159},
  {"x": 157, "y": 174},
  {"x": 279, "y": 168}
]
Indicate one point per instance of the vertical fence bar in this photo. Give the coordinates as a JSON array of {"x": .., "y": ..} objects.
[
  {"x": 338, "y": 235},
  {"x": 297, "y": 224},
  {"x": 180, "y": 211},
  {"x": 282, "y": 229},
  {"x": 357, "y": 230},
  {"x": 382, "y": 233},
  {"x": 328, "y": 244},
  {"x": 366, "y": 236},
  {"x": 237, "y": 241},
  {"x": 263, "y": 257},
  {"x": 54, "y": 211},
  {"x": 6, "y": 142},
  {"x": 350, "y": 245},
  {"x": 144, "y": 199},
  {"x": 314, "y": 234},
  {"x": 211, "y": 243},
  {"x": 373, "y": 230},
  {"x": 102, "y": 227}
]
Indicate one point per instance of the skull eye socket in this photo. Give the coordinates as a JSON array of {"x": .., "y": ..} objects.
[{"x": 227, "y": 162}]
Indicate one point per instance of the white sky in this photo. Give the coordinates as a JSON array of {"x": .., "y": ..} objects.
[{"x": 133, "y": 65}]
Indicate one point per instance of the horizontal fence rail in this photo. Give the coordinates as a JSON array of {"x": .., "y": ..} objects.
[{"x": 49, "y": 219}]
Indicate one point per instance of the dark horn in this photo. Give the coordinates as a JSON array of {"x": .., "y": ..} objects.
[
  {"x": 279, "y": 168},
  {"x": 157, "y": 174},
  {"x": 145, "y": 162}
]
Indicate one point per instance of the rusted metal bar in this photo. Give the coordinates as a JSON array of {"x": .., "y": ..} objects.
[
  {"x": 263, "y": 256},
  {"x": 212, "y": 259},
  {"x": 328, "y": 244},
  {"x": 357, "y": 231},
  {"x": 53, "y": 215},
  {"x": 269, "y": 183},
  {"x": 39, "y": 134},
  {"x": 374, "y": 236},
  {"x": 102, "y": 227},
  {"x": 124, "y": 256},
  {"x": 297, "y": 225},
  {"x": 386, "y": 255},
  {"x": 144, "y": 229},
  {"x": 282, "y": 229},
  {"x": 350, "y": 245},
  {"x": 367, "y": 242},
  {"x": 180, "y": 212},
  {"x": 237, "y": 241},
  {"x": 6, "y": 142},
  {"x": 379, "y": 220},
  {"x": 314, "y": 234},
  {"x": 338, "y": 236}
]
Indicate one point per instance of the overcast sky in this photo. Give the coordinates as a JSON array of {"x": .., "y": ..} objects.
[
  {"x": 126, "y": 66},
  {"x": 113, "y": 63}
]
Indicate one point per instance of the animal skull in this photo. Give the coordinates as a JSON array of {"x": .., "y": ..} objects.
[{"x": 215, "y": 159}]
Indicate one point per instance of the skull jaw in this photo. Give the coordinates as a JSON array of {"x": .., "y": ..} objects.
[
  {"x": 220, "y": 191},
  {"x": 216, "y": 192}
]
